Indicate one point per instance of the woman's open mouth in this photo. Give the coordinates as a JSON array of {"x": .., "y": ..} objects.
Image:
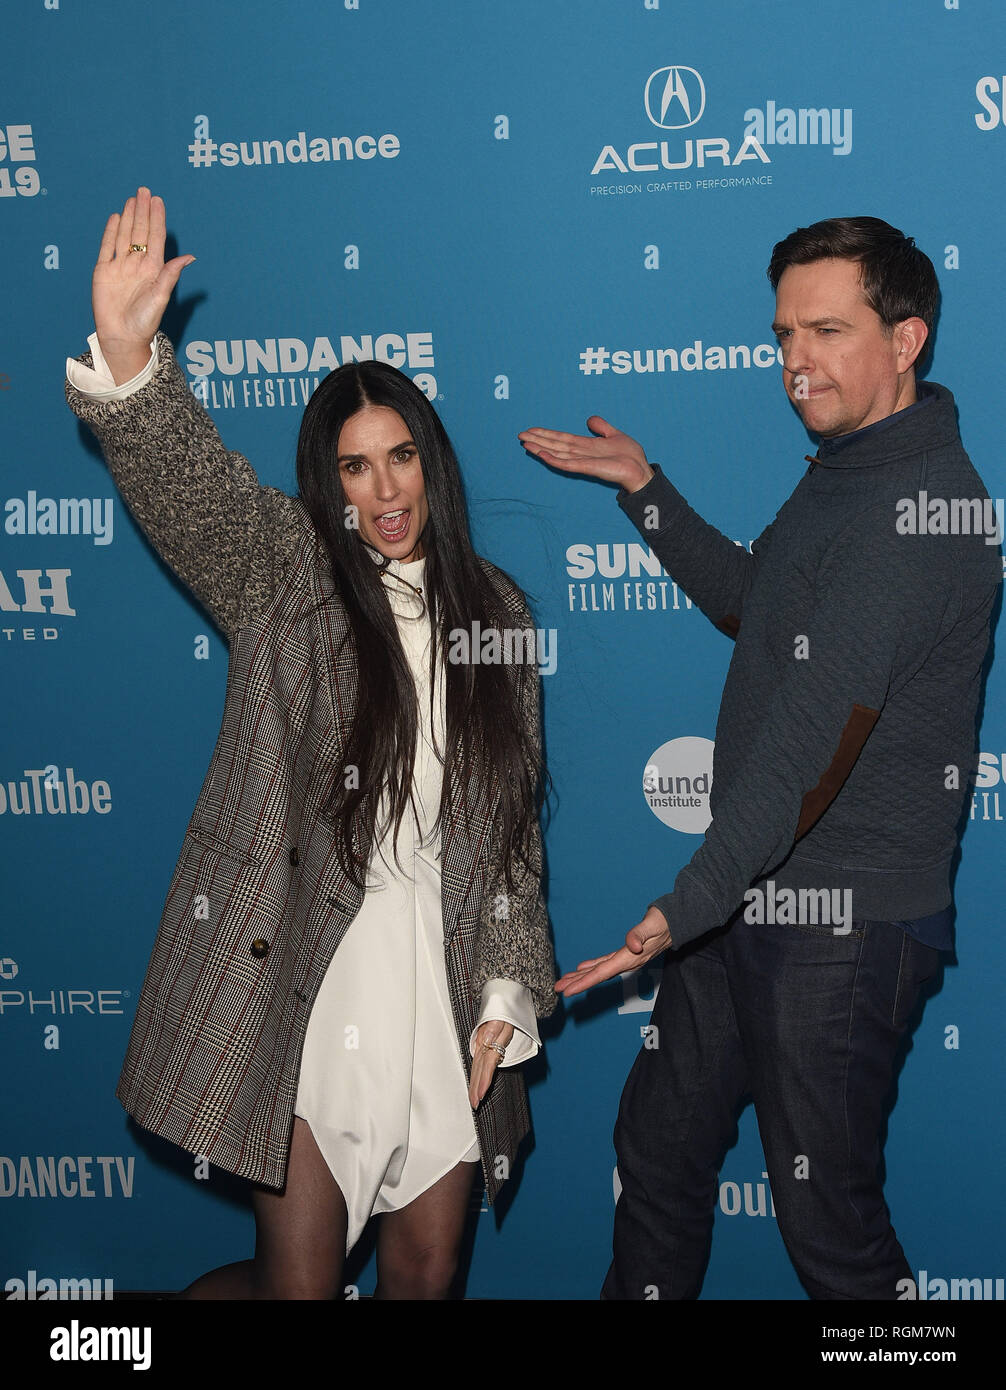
[{"x": 392, "y": 526}]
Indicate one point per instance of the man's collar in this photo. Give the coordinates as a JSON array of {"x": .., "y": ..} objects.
[
  {"x": 925, "y": 395},
  {"x": 928, "y": 423}
]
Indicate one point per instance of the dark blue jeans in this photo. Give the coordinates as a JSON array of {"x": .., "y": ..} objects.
[{"x": 808, "y": 1023}]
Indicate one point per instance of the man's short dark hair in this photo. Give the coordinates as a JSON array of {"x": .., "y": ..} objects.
[{"x": 899, "y": 281}]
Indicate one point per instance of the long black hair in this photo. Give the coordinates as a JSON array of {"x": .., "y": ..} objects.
[{"x": 488, "y": 745}]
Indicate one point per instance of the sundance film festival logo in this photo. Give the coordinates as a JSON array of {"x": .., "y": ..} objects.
[
  {"x": 270, "y": 372},
  {"x": 620, "y": 577},
  {"x": 675, "y": 98},
  {"x": 989, "y": 772},
  {"x": 677, "y": 780},
  {"x": 991, "y": 95},
  {"x": 18, "y": 176}
]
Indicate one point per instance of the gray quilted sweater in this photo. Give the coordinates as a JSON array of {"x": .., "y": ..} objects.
[{"x": 842, "y": 759}]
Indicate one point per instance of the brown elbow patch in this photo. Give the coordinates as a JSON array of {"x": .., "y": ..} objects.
[
  {"x": 729, "y": 624},
  {"x": 850, "y": 745}
]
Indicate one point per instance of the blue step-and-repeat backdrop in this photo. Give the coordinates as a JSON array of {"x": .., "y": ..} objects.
[{"x": 495, "y": 197}]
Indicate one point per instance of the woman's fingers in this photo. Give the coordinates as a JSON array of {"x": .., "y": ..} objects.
[
  {"x": 483, "y": 1067},
  {"x": 108, "y": 237},
  {"x": 157, "y": 230},
  {"x": 168, "y": 278},
  {"x": 141, "y": 218},
  {"x": 124, "y": 231},
  {"x": 141, "y": 223},
  {"x": 487, "y": 1059}
]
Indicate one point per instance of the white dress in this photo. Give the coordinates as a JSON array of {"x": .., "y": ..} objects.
[{"x": 382, "y": 1084}]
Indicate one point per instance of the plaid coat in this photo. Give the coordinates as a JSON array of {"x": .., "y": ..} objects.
[{"x": 257, "y": 903}]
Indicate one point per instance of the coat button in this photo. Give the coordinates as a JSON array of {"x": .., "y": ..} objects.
[
  {"x": 294, "y": 857},
  {"x": 260, "y": 947}
]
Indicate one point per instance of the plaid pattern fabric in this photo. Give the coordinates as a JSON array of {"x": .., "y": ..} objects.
[{"x": 257, "y": 903}]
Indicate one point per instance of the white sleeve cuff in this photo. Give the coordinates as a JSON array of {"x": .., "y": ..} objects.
[
  {"x": 510, "y": 1002},
  {"x": 97, "y": 382}
]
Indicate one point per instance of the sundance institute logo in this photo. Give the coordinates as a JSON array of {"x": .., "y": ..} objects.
[{"x": 676, "y": 783}]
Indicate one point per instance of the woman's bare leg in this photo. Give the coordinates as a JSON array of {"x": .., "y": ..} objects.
[
  {"x": 300, "y": 1235},
  {"x": 417, "y": 1247}
]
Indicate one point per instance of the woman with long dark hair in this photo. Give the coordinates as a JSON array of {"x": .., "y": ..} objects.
[{"x": 354, "y": 945}]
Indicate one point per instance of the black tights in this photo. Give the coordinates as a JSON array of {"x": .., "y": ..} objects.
[{"x": 300, "y": 1237}]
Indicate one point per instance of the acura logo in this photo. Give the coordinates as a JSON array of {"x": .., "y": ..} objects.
[{"x": 675, "y": 98}]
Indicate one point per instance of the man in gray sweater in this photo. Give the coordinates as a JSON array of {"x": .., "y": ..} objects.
[{"x": 808, "y": 921}]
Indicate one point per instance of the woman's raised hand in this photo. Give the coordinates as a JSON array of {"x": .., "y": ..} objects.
[
  {"x": 613, "y": 457},
  {"x": 130, "y": 289}
]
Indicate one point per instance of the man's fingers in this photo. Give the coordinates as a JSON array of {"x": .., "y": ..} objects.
[
  {"x": 565, "y": 445},
  {"x": 587, "y": 965},
  {"x": 582, "y": 980},
  {"x": 566, "y": 464},
  {"x": 549, "y": 437},
  {"x": 605, "y": 968},
  {"x": 556, "y": 438},
  {"x": 597, "y": 960}
]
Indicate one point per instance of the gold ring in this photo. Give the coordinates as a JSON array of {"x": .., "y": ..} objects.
[
  {"x": 495, "y": 1047},
  {"x": 136, "y": 246}
]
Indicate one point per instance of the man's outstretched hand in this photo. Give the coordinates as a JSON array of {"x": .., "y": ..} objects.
[
  {"x": 612, "y": 456},
  {"x": 642, "y": 943}
]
